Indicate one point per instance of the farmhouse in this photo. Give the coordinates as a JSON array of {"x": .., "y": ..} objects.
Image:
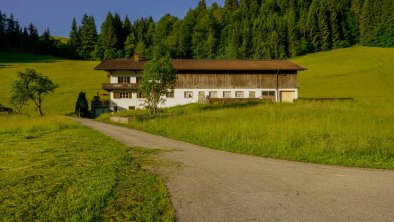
[{"x": 196, "y": 79}]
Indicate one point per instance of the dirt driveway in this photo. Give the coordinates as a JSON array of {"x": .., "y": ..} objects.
[{"x": 220, "y": 186}]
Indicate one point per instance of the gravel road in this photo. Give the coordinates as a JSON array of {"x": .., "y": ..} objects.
[{"x": 214, "y": 185}]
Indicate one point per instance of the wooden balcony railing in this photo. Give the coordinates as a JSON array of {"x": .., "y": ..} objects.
[{"x": 120, "y": 86}]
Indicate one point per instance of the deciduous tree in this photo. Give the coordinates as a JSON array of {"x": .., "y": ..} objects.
[
  {"x": 158, "y": 78},
  {"x": 33, "y": 85},
  {"x": 19, "y": 96}
]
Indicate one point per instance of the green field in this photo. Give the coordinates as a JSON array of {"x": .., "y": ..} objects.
[
  {"x": 72, "y": 77},
  {"x": 53, "y": 169},
  {"x": 358, "y": 133},
  {"x": 365, "y": 74}
]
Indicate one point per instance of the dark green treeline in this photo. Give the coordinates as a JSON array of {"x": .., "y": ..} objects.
[
  {"x": 252, "y": 29},
  {"x": 13, "y": 37},
  {"x": 240, "y": 29}
]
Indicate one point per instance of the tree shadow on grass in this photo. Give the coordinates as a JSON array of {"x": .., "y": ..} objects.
[
  {"x": 7, "y": 58},
  {"x": 3, "y": 66}
]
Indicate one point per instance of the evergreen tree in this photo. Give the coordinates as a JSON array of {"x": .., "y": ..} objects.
[
  {"x": 323, "y": 24},
  {"x": 370, "y": 16},
  {"x": 88, "y": 37},
  {"x": 162, "y": 31},
  {"x": 312, "y": 27},
  {"x": 248, "y": 29},
  {"x": 118, "y": 29},
  {"x": 74, "y": 41},
  {"x": 292, "y": 34},
  {"x": 334, "y": 26},
  {"x": 230, "y": 5},
  {"x": 2, "y": 29},
  {"x": 127, "y": 28},
  {"x": 130, "y": 45},
  {"x": 46, "y": 42},
  {"x": 82, "y": 106}
]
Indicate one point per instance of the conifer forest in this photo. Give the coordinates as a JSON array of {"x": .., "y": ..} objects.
[{"x": 245, "y": 29}]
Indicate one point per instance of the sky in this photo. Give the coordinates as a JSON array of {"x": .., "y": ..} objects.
[{"x": 57, "y": 15}]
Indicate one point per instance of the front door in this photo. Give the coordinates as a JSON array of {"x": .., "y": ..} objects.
[
  {"x": 201, "y": 96},
  {"x": 287, "y": 96}
]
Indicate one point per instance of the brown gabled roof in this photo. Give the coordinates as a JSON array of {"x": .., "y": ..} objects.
[{"x": 192, "y": 64}]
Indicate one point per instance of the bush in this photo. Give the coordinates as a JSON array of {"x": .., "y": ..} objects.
[{"x": 82, "y": 106}]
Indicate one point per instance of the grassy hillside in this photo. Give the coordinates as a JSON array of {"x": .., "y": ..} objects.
[
  {"x": 71, "y": 75},
  {"x": 366, "y": 74}
]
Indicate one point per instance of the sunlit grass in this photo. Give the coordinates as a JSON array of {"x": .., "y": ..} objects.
[
  {"x": 363, "y": 73},
  {"x": 53, "y": 169},
  {"x": 72, "y": 76},
  {"x": 342, "y": 133}
]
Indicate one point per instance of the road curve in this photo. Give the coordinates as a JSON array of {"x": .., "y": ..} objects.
[{"x": 221, "y": 186}]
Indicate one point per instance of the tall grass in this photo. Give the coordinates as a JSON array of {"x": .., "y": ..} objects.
[
  {"x": 342, "y": 133},
  {"x": 53, "y": 169}
]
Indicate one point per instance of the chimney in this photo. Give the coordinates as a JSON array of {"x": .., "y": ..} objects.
[{"x": 137, "y": 57}]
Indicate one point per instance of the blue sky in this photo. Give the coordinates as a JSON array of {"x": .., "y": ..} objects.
[{"x": 58, "y": 14}]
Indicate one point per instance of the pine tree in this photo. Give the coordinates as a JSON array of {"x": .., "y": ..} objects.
[
  {"x": 292, "y": 34},
  {"x": 88, "y": 36},
  {"x": 127, "y": 28},
  {"x": 118, "y": 28},
  {"x": 334, "y": 26},
  {"x": 130, "y": 45},
  {"x": 2, "y": 29},
  {"x": 74, "y": 41},
  {"x": 312, "y": 27},
  {"x": 162, "y": 31},
  {"x": 230, "y": 5},
  {"x": 46, "y": 42},
  {"x": 82, "y": 106},
  {"x": 384, "y": 33},
  {"x": 323, "y": 24},
  {"x": 370, "y": 16}
]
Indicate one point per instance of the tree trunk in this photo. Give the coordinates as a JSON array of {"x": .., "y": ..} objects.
[{"x": 40, "y": 111}]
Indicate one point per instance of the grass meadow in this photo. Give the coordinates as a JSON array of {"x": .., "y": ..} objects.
[
  {"x": 354, "y": 133},
  {"x": 53, "y": 169},
  {"x": 71, "y": 75}
]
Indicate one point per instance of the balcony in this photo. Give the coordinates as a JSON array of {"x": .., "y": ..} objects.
[{"x": 120, "y": 86}]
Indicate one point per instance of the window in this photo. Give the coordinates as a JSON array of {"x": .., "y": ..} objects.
[
  {"x": 268, "y": 93},
  {"x": 131, "y": 107},
  {"x": 227, "y": 94},
  {"x": 239, "y": 94},
  {"x": 170, "y": 94},
  {"x": 188, "y": 94},
  {"x": 122, "y": 95},
  {"x": 213, "y": 94},
  {"x": 252, "y": 94},
  {"x": 125, "y": 95},
  {"x": 124, "y": 79}
]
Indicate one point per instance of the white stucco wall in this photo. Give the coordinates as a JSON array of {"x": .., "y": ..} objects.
[{"x": 179, "y": 98}]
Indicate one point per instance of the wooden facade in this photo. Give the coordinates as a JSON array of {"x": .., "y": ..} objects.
[{"x": 237, "y": 81}]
